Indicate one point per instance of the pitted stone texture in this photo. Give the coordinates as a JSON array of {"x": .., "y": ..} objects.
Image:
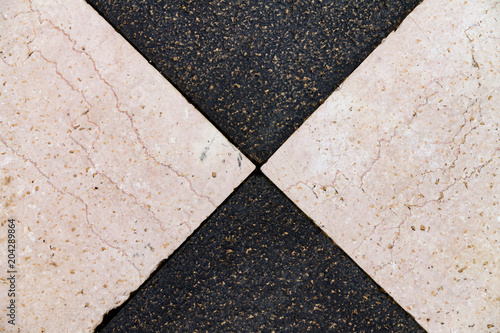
[
  {"x": 400, "y": 165},
  {"x": 106, "y": 168}
]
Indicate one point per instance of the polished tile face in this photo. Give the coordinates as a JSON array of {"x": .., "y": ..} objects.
[
  {"x": 400, "y": 166},
  {"x": 256, "y": 69},
  {"x": 258, "y": 264},
  {"x": 104, "y": 166}
]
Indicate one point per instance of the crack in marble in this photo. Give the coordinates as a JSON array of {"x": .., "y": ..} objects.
[
  {"x": 120, "y": 187},
  {"x": 117, "y": 102},
  {"x": 63, "y": 192},
  {"x": 398, "y": 177},
  {"x": 90, "y": 107}
]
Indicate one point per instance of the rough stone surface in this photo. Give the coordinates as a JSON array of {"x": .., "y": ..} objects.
[
  {"x": 258, "y": 264},
  {"x": 400, "y": 165},
  {"x": 105, "y": 167},
  {"x": 257, "y": 68}
]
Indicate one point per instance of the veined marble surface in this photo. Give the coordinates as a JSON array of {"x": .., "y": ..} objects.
[
  {"x": 400, "y": 166},
  {"x": 105, "y": 167}
]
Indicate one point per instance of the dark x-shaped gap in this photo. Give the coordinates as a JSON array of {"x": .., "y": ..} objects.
[{"x": 246, "y": 81}]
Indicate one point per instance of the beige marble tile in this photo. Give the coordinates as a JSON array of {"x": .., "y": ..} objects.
[
  {"x": 400, "y": 166},
  {"x": 105, "y": 167}
]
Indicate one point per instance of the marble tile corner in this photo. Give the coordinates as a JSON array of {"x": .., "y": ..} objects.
[
  {"x": 104, "y": 166},
  {"x": 400, "y": 165}
]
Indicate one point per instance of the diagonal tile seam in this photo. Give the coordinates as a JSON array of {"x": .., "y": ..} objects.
[
  {"x": 112, "y": 313},
  {"x": 389, "y": 135},
  {"x": 87, "y": 150},
  {"x": 125, "y": 112},
  {"x": 317, "y": 227},
  {"x": 149, "y": 37},
  {"x": 108, "y": 317},
  {"x": 212, "y": 124},
  {"x": 256, "y": 162},
  {"x": 187, "y": 97}
]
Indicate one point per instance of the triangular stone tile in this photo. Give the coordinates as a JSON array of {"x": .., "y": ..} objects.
[
  {"x": 400, "y": 166},
  {"x": 105, "y": 169}
]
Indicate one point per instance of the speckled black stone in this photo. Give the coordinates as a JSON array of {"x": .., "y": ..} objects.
[
  {"x": 256, "y": 68},
  {"x": 258, "y": 264}
]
